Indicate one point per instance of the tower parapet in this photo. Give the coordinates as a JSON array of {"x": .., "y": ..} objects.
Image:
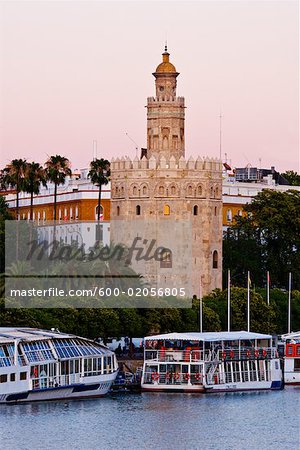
[{"x": 155, "y": 163}]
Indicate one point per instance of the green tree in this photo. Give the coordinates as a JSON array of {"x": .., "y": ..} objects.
[
  {"x": 262, "y": 316},
  {"x": 57, "y": 169},
  {"x": 4, "y": 215},
  {"x": 13, "y": 176},
  {"x": 99, "y": 174},
  {"x": 267, "y": 239},
  {"x": 292, "y": 177},
  {"x": 34, "y": 176}
]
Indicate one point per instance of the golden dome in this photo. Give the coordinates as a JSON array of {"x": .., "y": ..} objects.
[{"x": 165, "y": 66}]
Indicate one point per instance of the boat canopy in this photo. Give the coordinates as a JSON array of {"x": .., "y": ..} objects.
[
  {"x": 209, "y": 336},
  {"x": 29, "y": 334},
  {"x": 291, "y": 336}
]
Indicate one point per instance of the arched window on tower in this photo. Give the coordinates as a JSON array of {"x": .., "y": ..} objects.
[
  {"x": 199, "y": 191},
  {"x": 118, "y": 210},
  {"x": 215, "y": 259},
  {"x": 161, "y": 190},
  {"x": 195, "y": 210},
  {"x": 166, "y": 259},
  {"x": 138, "y": 210},
  {"x": 166, "y": 210}
]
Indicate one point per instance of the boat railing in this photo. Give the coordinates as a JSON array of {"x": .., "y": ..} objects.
[
  {"x": 246, "y": 353},
  {"x": 169, "y": 379},
  {"x": 55, "y": 381},
  {"x": 170, "y": 355},
  {"x": 178, "y": 355},
  {"x": 238, "y": 376}
]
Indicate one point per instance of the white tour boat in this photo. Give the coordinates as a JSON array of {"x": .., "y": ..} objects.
[
  {"x": 40, "y": 365},
  {"x": 291, "y": 358},
  {"x": 211, "y": 362}
]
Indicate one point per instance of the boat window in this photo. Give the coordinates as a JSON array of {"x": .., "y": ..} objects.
[
  {"x": 3, "y": 378},
  {"x": 298, "y": 349},
  {"x": 297, "y": 365},
  {"x": 289, "y": 349},
  {"x": 37, "y": 351},
  {"x": 23, "y": 376},
  {"x": 70, "y": 348},
  {"x": 12, "y": 377},
  {"x": 6, "y": 355}
]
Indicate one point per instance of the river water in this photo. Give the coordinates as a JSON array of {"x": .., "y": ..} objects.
[{"x": 257, "y": 420}]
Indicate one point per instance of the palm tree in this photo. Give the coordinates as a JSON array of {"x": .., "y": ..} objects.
[
  {"x": 34, "y": 176},
  {"x": 13, "y": 175},
  {"x": 99, "y": 174},
  {"x": 57, "y": 169}
]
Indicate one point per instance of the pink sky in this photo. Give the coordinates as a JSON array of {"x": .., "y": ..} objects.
[{"x": 74, "y": 72}]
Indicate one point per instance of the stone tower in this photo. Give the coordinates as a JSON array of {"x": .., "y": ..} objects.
[
  {"x": 165, "y": 114},
  {"x": 171, "y": 199}
]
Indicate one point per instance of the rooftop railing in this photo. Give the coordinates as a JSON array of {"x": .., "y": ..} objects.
[{"x": 233, "y": 354}]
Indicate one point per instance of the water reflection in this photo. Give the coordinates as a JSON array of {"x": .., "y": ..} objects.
[{"x": 263, "y": 420}]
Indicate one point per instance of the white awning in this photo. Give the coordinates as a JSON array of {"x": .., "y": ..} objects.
[{"x": 209, "y": 336}]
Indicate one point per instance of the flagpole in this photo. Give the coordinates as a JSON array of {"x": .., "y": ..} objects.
[
  {"x": 228, "y": 301},
  {"x": 289, "y": 303},
  {"x": 248, "y": 303},
  {"x": 268, "y": 288}
]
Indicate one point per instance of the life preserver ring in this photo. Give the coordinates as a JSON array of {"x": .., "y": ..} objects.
[
  {"x": 256, "y": 353},
  {"x": 248, "y": 353},
  {"x": 264, "y": 353},
  {"x": 224, "y": 354},
  {"x": 155, "y": 376},
  {"x": 198, "y": 376},
  {"x": 35, "y": 372},
  {"x": 187, "y": 376},
  {"x": 231, "y": 354},
  {"x": 176, "y": 376}
]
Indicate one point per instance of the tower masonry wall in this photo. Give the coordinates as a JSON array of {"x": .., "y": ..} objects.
[{"x": 181, "y": 190}]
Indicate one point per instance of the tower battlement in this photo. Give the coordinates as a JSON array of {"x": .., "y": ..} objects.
[
  {"x": 166, "y": 99},
  {"x": 162, "y": 163}
]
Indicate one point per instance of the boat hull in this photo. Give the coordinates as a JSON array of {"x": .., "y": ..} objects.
[
  {"x": 179, "y": 388},
  {"x": 236, "y": 387},
  {"x": 72, "y": 392}
]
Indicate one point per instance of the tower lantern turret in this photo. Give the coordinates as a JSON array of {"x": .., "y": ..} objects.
[
  {"x": 165, "y": 113},
  {"x": 165, "y": 77}
]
